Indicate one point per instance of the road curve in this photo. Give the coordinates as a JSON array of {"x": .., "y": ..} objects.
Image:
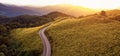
[{"x": 46, "y": 43}]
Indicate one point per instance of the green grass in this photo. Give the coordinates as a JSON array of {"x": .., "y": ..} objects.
[
  {"x": 28, "y": 37},
  {"x": 89, "y": 36}
]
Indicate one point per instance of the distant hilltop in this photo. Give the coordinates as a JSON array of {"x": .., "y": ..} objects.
[{"x": 13, "y": 10}]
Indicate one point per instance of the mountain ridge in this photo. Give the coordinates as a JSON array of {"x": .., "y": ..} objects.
[{"x": 12, "y": 10}]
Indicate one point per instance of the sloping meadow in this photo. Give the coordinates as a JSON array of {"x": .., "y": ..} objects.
[
  {"x": 87, "y": 36},
  {"x": 30, "y": 42}
]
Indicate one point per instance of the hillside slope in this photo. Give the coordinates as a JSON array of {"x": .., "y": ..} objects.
[
  {"x": 88, "y": 36},
  {"x": 30, "y": 41}
]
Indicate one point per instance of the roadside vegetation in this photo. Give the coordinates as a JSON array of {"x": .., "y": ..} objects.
[
  {"x": 29, "y": 39},
  {"x": 93, "y": 35}
]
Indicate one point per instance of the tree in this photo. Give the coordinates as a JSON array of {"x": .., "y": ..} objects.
[
  {"x": 103, "y": 13},
  {"x": 3, "y": 30}
]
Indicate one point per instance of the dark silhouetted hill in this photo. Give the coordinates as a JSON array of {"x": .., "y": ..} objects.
[{"x": 55, "y": 14}]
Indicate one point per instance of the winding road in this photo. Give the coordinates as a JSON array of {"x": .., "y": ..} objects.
[{"x": 45, "y": 41}]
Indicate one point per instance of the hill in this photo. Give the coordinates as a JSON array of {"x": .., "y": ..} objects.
[
  {"x": 16, "y": 33},
  {"x": 31, "y": 20},
  {"x": 30, "y": 41},
  {"x": 4, "y": 19},
  {"x": 12, "y": 10},
  {"x": 88, "y": 36},
  {"x": 67, "y": 9},
  {"x": 113, "y": 12},
  {"x": 55, "y": 14},
  {"x": 15, "y": 36}
]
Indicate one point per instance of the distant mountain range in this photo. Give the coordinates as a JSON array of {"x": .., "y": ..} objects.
[{"x": 12, "y": 10}]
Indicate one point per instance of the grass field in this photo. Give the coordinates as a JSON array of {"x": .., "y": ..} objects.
[
  {"x": 29, "y": 39},
  {"x": 88, "y": 36}
]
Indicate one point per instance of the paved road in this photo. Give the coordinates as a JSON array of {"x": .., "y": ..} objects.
[{"x": 46, "y": 43}]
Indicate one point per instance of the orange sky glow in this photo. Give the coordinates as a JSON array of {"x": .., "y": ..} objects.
[{"x": 93, "y": 4}]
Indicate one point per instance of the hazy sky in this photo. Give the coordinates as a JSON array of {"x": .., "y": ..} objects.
[{"x": 96, "y": 4}]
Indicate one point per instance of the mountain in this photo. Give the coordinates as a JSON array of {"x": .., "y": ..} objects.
[
  {"x": 65, "y": 8},
  {"x": 3, "y": 19},
  {"x": 12, "y": 10},
  {"x": 55, "y": 14}
]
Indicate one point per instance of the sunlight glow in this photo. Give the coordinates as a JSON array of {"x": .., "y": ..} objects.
[{"x": 94, "y": 4}]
